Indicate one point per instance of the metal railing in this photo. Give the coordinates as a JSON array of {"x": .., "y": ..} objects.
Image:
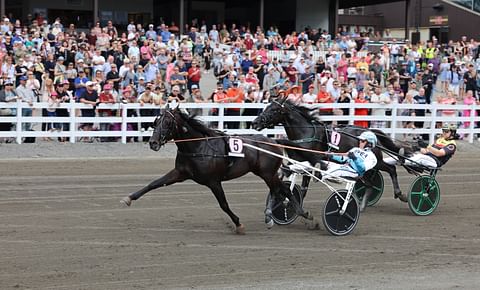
[{"x": 394, "y": 121}]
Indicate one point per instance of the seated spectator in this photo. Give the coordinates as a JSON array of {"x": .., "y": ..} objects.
[{"x": 310, "y": 97}]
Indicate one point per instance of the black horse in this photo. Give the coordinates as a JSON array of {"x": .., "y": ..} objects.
[
  {"x": 203, "y": 157},
  {"x": 305, "y": 130}
]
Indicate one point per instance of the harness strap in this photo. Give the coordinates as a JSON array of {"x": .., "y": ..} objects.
[
  {"x": 310, "y": 139},
  {"x": 202, "y": 155}
]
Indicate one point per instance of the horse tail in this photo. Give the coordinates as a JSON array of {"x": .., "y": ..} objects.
[{"x": 389, "y": 144}]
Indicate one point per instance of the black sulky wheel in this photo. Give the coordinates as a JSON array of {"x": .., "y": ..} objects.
[
  {"x": 283, "y": 211},
  {"x": 377, "y": 190},
  {"x": 336, "y": 223},
  {"x": 424, "y": 195}
]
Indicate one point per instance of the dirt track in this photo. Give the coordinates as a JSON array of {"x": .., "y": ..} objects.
[{"x": 62, "y": 227}]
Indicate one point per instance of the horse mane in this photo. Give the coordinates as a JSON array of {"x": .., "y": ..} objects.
[
  {"x": 310, "y": 114},
  {"x": 199, "y": 126}
]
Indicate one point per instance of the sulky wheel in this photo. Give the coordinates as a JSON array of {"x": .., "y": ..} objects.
[
  {"x": 424, "y": 195},
  {"x": 336, "y": 223},
  {"x": 283, "y": 211},
  {"x": 377, "y": 189}
]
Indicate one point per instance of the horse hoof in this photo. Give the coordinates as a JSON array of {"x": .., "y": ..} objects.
[
  {"x": 126, "y": 201},
  {"x": 307, "y": 215},
  {"x": 401, "y": 197},
  {"x": 240, "y": 230},
  {"x": 269, "y": 223},
  {"x": 312, "y": 224}
]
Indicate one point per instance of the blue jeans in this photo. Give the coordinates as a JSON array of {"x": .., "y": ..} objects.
[{"x": 26, "y": 112}]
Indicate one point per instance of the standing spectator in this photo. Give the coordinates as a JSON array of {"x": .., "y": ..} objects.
[
  {"x": 176, "y": 95},
  {"x": 445, "y": 74},
  {"x": 343, "y": 99},
  {"x": 422, "y": 100},
  {"x": 408, "y": 112},
  {"x": 63, "y": 97},
  {"x": 455, "y": 79},
  {"x": 114, "y": 77},
  {"x": 448, "y": 99},
  {"x": 106, "y": 97},
  {"x": 147, "y": 97},
  {"x": 405, "y": 77},
  {"x": 26, "y": 95},
  {"x": 323, "y": 97},
  {"x": 428, "y": 82},
  {"x": 361, "y": 111},
  {"x": 270, "y": 80},
  {"x": 196, "y": 98},
  {"x": 470, "y": 79},
  {"x": 252, "y": 96},
  {"x": 234, "y": 95},
  {"x": 470, "y": 100},
  {"x": 89, "y": 97},
  {"x": 194, "y": 76},
  {"x": 382, "y": 99},
  {"x": 335, "y": 91},
  {"x": 292, "y": 73},
  {"x": 178, "y": 79}
]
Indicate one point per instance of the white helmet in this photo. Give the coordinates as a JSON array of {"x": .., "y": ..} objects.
[{"x": 370, "y": 137}]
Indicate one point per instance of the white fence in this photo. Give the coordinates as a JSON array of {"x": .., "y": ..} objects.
[{"x": 395, "y": 128}]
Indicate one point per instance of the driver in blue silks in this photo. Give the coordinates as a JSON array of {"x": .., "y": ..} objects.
[{"x": 356, "y": 161}]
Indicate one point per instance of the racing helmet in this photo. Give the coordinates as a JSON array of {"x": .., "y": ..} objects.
[
  {"x": 370, "y": 137},
  {"x": 450, "y": 127}
]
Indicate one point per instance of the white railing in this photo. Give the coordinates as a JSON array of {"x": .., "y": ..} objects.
[{"x": 394, "y": 128}]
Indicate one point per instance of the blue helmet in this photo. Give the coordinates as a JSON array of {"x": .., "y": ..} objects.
[{"x": 370, "y": 137}]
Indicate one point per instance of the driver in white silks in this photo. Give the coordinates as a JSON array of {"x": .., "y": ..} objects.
[{"x": 355, "y": 162}]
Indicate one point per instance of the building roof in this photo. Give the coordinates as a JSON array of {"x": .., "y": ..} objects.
[{"x": 342, "y": 4}]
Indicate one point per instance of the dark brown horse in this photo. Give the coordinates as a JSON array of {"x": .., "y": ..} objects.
[
  {"x": 206, "y": 160},
  {"x": 305, "y": 130}
]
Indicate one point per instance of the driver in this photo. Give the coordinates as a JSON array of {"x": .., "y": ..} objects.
[
  {"x": 356, "y": 161},
  {"x": 439, "y": 152}
]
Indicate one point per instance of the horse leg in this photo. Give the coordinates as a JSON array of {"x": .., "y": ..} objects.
[
  {"x": 391, "y": 169},
  {"x": 171, "y": 177},
  {"x": 217, "y": 190}
]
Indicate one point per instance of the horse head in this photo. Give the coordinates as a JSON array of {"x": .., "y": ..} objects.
[
  {"x": 272, "y": 115},
  {"x": 165, "y": 127}
]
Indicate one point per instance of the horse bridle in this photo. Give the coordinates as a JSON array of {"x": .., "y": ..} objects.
[{"x": 173, "y": 127}]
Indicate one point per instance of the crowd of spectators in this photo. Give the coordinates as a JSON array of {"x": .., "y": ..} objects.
[{"x": 43, "y": 61}]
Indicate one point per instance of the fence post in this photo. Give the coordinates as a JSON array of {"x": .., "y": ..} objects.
[
  {"x": 472, "y": 125},
  {"x": 351, "y": 112},
  {"x": 433, "y": 112},
  {"x": 221, "y": 114},
  {"x": 19, "y": 121},
  {"x": 124, "y": 123},
  {"x": 73, "y": 121},
  {"x": 393, "y": 125}
]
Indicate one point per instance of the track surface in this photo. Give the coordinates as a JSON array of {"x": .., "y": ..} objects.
[{"x": 62, "y": 227}]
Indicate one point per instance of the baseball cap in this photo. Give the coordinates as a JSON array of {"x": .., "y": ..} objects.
[
  {"x": 90, "y": 83},
  {"x": 194, "y": 87},
  {"x": 23, "y": 78}
]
